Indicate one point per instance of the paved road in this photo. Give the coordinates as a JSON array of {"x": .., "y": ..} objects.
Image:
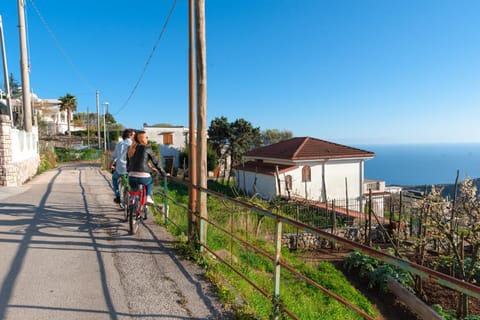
[{"x": 65, "y": 254}]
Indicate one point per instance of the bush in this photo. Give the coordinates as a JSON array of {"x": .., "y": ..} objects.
[{"x": 47, "y": 161}]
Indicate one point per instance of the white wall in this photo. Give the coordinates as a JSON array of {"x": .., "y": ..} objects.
[
  {"x": 335, "y": 173},
  {"x": 24, "y": 144},
  {"x": 179, "y": 139},
  {"x": 266, "y": 186}
]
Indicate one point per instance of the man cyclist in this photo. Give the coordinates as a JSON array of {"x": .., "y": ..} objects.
[{"x": 119, "y": 160}]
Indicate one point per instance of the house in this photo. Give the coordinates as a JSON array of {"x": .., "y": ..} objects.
[
  {"x": 304, "y": 167},
  {"x": 48, "y": 110},
  {"x": 171, "y": 140}
]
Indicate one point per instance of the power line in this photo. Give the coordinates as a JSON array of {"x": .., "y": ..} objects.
[
  {"x": 59, "y": 46},
  {"x": 149, "y": 58}
]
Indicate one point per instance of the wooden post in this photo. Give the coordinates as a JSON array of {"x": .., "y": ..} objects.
[
  {"x": 201, "y": 115},
  {"x": 334, "y": 222},
  {"x": 192, "y": 156},
  {"x": 278, "y": 181},
  {"x": 278, "y": 253},
  {"x": 370, "y": 217}
]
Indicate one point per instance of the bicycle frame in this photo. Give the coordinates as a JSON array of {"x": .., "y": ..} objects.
[
  {"x": 136, "y": 205},
  {"x": 141, "y": 192}
]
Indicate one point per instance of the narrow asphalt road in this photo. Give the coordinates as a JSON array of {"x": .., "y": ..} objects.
[{"x": 66, "y": 254}]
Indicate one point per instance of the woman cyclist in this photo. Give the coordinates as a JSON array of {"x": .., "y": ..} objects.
[{"x": 140, "y": 161}]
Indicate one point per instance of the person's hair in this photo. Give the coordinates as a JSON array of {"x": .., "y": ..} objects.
[
  {"x": 127, "y": 133},
  {"x": 139, "y": 132},
  {"x": 133, "y": 146}
]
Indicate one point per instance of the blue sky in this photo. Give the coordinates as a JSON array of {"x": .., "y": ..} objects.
[{"x": 348, "y": 71}]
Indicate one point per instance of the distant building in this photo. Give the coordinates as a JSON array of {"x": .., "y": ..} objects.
[
  {"x": 49, "y": 111},
  {"x": 171, "y": 139}
]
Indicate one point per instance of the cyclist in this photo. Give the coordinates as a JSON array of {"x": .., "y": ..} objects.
[
  {"x": 119, "y": 160},
  {"x": 140, "y": 156}
]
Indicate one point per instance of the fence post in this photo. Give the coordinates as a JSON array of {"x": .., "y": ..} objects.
[
  {"x": 370, "y": 209},
  {"x": 278, "y": 252},
  {"x": 334, "y": 224},
  {"x": 165, "y": 200}
]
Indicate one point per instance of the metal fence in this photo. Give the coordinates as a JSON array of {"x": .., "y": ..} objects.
[{"x": 250, "y": 240}]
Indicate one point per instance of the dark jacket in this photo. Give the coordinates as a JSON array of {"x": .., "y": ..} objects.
[{"x": 139, "y": 161}]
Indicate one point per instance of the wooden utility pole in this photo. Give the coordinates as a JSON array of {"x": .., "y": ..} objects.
[
  {"x": 24, "y": 67},
  {"x": 201, "y": 114},
  {"x": 192, "y": 167},
  {"x": 5, "y": 73}
]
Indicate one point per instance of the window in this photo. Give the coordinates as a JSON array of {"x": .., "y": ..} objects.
[
  {"x": 306, "y": 174},
  {"x": 168, "y": 138}
]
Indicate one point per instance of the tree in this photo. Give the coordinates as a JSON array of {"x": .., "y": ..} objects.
[
  {"x": 453, "y": 226},
  {"x": 271, "y": 136},
  {"x": 68, "y": 103},
  {"x": 15, "y": 88},
  {"x": 219, "y": 134},
  {"x": 232, "y": 139}
]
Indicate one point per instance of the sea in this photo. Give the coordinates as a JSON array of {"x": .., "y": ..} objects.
[{"x": 422, "y": 164}]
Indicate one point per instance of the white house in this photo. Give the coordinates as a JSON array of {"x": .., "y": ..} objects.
[
  {"x": 56, "y": 120},
  {"x": 304, "y": 167},
  {"x": 171, "y": 140}
]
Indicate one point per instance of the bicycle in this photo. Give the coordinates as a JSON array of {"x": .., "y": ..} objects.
[
  {"x": 123, "y": 188},
  {"x": 136, "y": 209}
]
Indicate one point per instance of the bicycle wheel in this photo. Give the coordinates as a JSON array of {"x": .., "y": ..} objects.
[
  {"x": 122, "y": 190},
  {"x": 146, "y": 212},
  {"x": 132, "y": 215}
]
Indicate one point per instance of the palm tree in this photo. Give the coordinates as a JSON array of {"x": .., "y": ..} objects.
[{"x": 68, "y": 103}]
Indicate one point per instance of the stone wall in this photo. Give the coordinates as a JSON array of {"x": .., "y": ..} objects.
[{"x": 19, "y": 158}]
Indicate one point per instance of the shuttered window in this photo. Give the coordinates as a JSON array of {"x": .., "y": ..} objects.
[
  {"x": 306, "y": 174},
  {"x": 168, "y": 138}
]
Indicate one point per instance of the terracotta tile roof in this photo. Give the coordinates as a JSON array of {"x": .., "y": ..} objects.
[
  {"x": 307, "y": 148},
  {"x": 264, "y": 168}
]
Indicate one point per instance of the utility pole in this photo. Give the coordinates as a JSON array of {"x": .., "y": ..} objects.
[
  {"x": 192, "y": 167},
  {"x": 5, "y": 74},
  {"x": 98, "y": 120},
  {"x": 201, "y": 115},
  {"x": 24, "y": 67}
]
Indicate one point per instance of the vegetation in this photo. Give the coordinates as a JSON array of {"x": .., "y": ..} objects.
[
  {"x": 303, "y": 299},
  {"x": 377, "y": 272},
  {"x": 232, "y": 138},
  {"x": 68, "y": 103},
  {"x": 67, "y": 155},
  {"x": 271, "y": 136}
]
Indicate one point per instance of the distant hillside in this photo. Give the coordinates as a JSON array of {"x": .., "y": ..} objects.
[{"x": 448, "y": 189}]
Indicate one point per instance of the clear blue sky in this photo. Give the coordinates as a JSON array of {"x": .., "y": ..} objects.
[{"x": 348, "y": 71}]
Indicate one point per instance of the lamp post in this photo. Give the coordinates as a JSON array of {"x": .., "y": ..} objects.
[{"x": 105, "y": 131}]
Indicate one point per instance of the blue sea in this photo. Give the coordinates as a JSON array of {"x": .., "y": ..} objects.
[{"x": 422, "y": 164}]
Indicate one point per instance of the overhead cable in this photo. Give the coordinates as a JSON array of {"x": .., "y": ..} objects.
[{"x": 148, "y": 59}]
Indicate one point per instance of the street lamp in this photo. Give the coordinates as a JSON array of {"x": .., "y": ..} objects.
[{"x": 105, "y": 125}]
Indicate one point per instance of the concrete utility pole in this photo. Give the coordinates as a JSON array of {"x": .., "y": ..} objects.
[
  {"x": 88, "y": 128},
  {"x": 105, "y": 130},
  {"x": 201, "y": 114},
  {"x": 98, "y": 120},
  {"x": 24, "y": 67},
  {"x": 192, "y": 167},
  {"x": 5, "y": 73}
]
